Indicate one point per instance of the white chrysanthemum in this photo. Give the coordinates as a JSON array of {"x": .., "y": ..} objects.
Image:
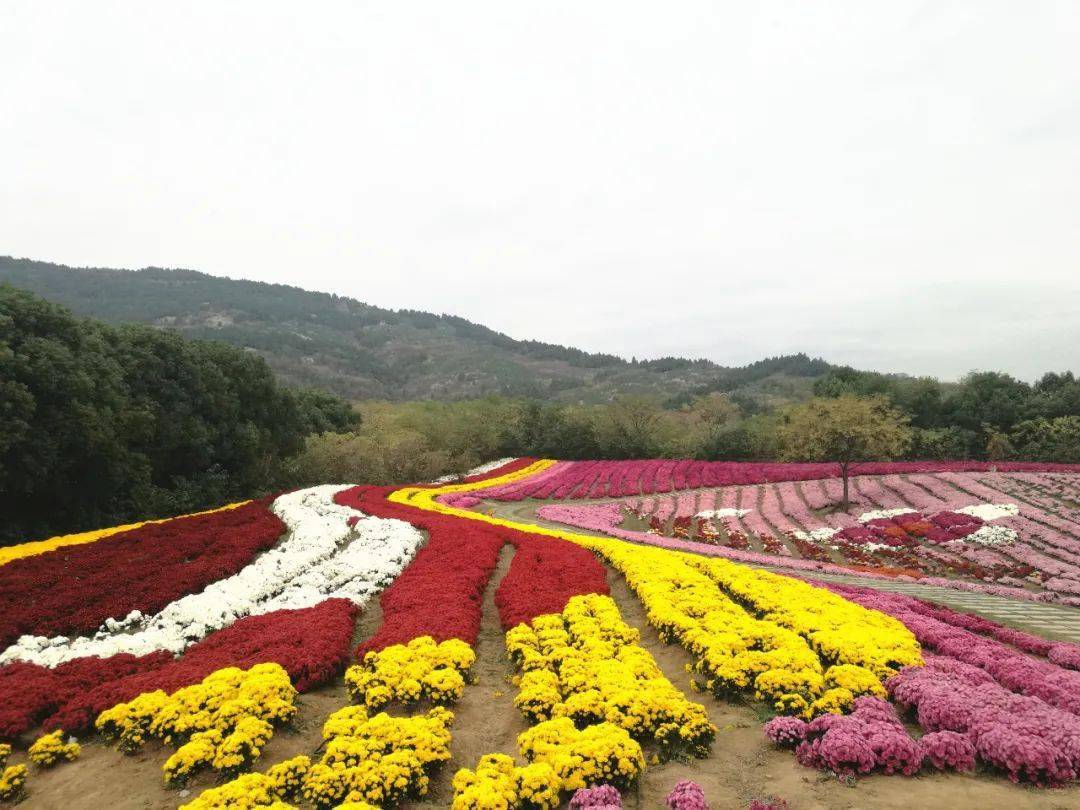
[
  {"x": 321, "y": 556},
  {"x": 878, "y": 514},
  {"x": 483, "y": 468},
  {"x": 819, "y": 535},
  {"x": 710, "y": 514},
  {"x": 992, "y": 536},
  {"x": 991, "y": 511}
]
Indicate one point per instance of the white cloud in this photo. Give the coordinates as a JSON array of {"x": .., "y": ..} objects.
[{"x": 889, "y": 185}]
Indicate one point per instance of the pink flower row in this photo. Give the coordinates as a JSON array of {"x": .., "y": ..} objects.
[
  {"x": 1020, "y": 713},
  {"x": 783, "y": 509},
  {"x": 617, "y": 479}
]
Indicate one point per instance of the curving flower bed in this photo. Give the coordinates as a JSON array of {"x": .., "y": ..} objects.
[
  {"x": 73, "y": 590},
  {"x": 312, "y": 644},
  {"x": 330, "y": 551},
  {"x": 440, "y": 593}
]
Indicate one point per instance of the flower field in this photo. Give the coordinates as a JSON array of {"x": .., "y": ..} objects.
[{"x": 363, "y": 646}]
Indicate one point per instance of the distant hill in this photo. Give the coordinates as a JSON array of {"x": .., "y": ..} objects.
[{"x": 361, "y": 351}]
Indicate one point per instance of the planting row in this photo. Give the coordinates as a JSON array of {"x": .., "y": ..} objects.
[
  {"x": 595, "y": 696},
  {"x": 951, "y": 529},
  {"x": 617, "y": 479},
  {"x": 32, "y": 549},
  {"x": 74, "y": 590}
]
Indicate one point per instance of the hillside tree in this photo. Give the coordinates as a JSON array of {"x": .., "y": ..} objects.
[{"x": 846, "y": 430}]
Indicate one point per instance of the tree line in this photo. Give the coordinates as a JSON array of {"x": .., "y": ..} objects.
[
  {"x": 985, "y": 416},
  {"x": 101, "y": 425}
]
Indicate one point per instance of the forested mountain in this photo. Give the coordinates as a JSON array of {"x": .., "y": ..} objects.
[{"x": 362, "y": 351}]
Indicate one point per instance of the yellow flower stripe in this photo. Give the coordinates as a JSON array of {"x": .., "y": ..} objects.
[
  {"x": 381, "y": 760},
  {"x": 592, "y": 690},
  {"x": 274, "y": 789},
  {"x": 408, "y": 673},
  {"x": 49, "y": 749},
  {"x": 222, "y": 722},
  {"x": 12, "y": 782},
  {"x": 498, "y": 783},
  {"x": 369, "y": 758},
  {"x": 33, "y": 548},
  {"x": 783, "y": 652},
  {"x": 12, "y": 777},
  {"x": 586, "y": 664}
]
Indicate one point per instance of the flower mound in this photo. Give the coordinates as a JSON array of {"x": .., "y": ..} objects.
[
  {"x": 50, "y": 749},
  {"x": 687, "y": 795}
]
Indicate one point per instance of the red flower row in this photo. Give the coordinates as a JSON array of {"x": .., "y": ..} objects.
[
  {"x": 441, "y": 592},
  {"x": 312, "y": 644},
  {"x": 72, "y": 590}
]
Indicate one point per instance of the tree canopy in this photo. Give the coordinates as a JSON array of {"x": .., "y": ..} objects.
[
  {"x": 99, "y": 424},
  {"x": 845, "y": 429}
]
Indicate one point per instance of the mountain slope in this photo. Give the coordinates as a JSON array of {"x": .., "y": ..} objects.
[{"x": 363, "y": 351}]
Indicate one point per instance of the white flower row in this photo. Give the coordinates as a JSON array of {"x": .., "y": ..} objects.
[
  {"x": 321, "y": 557},
  {"x": 483, "y": 468},
  {"x": 820, "y": 535},
  {"x": 710, "y": 514},
  {"x": 992, "y": 536},
  {"x": 878, "y": 514},
  {"x": 991, "y": 511}
]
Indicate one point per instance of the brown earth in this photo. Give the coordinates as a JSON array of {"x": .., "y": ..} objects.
[{"x": 743, "y": 765}]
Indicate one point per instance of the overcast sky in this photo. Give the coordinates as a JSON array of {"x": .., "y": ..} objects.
[{"x": 894, "y": 185}]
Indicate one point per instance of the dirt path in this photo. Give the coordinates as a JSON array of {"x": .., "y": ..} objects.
[{"x": 485, "y": 719}]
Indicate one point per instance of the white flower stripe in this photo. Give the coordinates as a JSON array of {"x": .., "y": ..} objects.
[{"x": 322, "y": 556}]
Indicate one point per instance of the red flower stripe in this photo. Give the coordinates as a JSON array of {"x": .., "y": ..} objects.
[
  {"x": 312, "y": 644},
  {"x": 72, "y": 590},
  {"x": 441, "y": 592},
  {"x": 29, "y": 693}
]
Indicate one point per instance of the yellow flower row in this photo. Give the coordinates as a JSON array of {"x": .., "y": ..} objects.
[
  {"x": 408, "y": 673},
  {"x": 838, "y": 629},
  {"x": 33, "y": 548},
  {"x": 12, "y": 777},
  {"x": 776, "y": 655},
  {"x": 586, "y": 664},
  {"x": 591, "y": 689},
  {"x": 561, "y": 757},
  {"x": 50, "y": 749},
  {"x": 222, "y": 722},
  {"x": 381, "y": 760},
  {"x": 368, "y": 762},
  {"x": 499, "y": 784},
  {"x": 281, "y": 784},
  {"x": 12, "y": 782}
]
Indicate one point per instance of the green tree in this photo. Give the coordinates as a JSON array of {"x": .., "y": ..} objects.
[
  {"x": 1047, "y": 439},
  {"x": 844, "y": 429},
  {"x": 101, "y": 424},
  {"x": 713, "y": 414},
  {"x": 632, "y": 423}
]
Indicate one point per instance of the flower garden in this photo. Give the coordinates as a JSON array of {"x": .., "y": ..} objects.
[{"x": 661, "y": 629}]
